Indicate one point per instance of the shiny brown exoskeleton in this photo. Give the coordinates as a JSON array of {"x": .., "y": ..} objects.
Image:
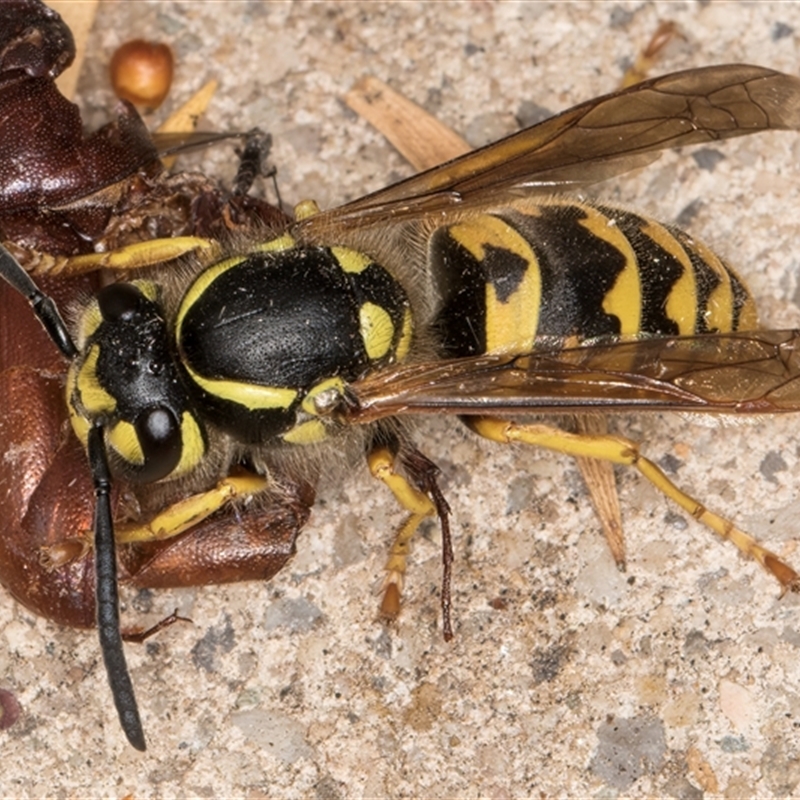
[{"x": 47, "y": 167}]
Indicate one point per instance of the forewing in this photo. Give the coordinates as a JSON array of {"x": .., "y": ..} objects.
[
  {"x": 169, "y": 144},
  {"x": 590, "y": 142},
  {"x": 732, "y": 373}
]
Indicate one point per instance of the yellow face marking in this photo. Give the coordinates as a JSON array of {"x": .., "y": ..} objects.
[
  {"x": 681, "y": 306},
  {"x": 123, "y": 440},
  {"x": 624, "y": 299},
  {"x": 308, "y": 432},
  {"x": 193, "y": 447},
  {"x": 511, "y": 323},
  {"x": 403, "y": 346},
  {"x": 351, "y": 260},
  {"x": 79, "y": 423},
  {"x": 377, "y": 330},
  {"x": 94, "y": 398},
  {"x": 250, "y": 395}
]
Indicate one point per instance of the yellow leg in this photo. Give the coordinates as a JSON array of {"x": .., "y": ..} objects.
[
  {"x": 624, "y": 451},
  {"x": 419, "y": 506},
  {"x": 174, "y": 520},
  {"x": 133, "y": 256},
  {"x": 186, "y": 513}
]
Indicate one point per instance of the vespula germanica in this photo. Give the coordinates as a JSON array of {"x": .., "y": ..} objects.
[{"x": 475, "y": 288}]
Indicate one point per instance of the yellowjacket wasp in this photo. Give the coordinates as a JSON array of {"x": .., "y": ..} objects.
[{"x": 541, "y": 304}]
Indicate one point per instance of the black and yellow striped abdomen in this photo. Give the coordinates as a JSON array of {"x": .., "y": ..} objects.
[{"x": 567, "y": 268}]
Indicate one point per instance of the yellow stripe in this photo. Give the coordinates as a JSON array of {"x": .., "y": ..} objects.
[
  {"x": 624, "y": 299},
  {"x": 681, "y": 305},
  {"x": 277, "y": 245},
  {"x": 403, "y": 346},
  {"x": 192, "y": 445},
  {"x": 748, "y": 313},
  {"x": 511, "y": 325},
  {"x": 201, "y": 284},
  {"x": 719, "y": 306},
  {"x": 250, "y": 395}
]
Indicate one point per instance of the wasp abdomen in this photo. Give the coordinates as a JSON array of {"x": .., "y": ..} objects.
[
  {"x": 569, "y": 268},
  {"x": 259, "y": 334}
]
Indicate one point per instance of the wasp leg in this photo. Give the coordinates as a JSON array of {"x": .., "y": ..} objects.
[
  {"x": 187, "y": 513},
  {"x": 419, "y": 505},
  {"x": 645, "y": 61},
  {"x": 132, "y": 256},
  {"x": 140, "y": 636},
  {"x": 619, "y": 450},
  {"x": 602, "y": 485}
]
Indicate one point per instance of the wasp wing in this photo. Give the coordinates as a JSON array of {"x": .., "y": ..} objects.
[
  {"x": 173, "y": 143},
  {"x": 732, "y": 373},
  {"x": 590, "y": 142}
]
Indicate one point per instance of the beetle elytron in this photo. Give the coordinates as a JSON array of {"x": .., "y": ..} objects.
[{"x": 467, "y": 289}]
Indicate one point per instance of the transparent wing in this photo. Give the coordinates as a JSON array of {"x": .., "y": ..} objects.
[
  {"x": 168, "y": 144},
  {"x": 590, "y": 142},
  {"x": 731, "y": 373}
]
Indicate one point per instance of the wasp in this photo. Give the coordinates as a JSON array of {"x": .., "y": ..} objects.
[{"x": 478, "y": 288}]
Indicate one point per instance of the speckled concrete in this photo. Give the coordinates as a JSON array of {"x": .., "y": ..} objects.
[{"x": 566, "y": 678}]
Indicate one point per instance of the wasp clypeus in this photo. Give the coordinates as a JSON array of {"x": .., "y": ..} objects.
[{"x": 472, "y": 289}]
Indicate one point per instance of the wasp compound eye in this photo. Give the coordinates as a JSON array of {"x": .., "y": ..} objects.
[
  {"x": 120, "y": 302},
  {"x": 159, "y": 434}
]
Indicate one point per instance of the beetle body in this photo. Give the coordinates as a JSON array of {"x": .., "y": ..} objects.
[
  {"x": 47, "y": 517},
  {"x": 48, "y": 166}
]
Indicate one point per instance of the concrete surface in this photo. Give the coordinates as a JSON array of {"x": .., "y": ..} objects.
[{"x": 680, "y": 678}]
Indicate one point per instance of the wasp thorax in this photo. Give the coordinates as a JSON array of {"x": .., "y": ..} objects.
[
  {"x": 127, "y": 380},
  {"x": 259, "y": 336}
]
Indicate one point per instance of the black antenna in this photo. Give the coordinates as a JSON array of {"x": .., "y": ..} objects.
[{"x": 107, "y": 595}]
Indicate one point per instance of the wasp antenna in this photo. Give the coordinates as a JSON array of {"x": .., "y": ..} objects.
[
  {"x": 105, "y": 557},
  {"x": 43, "y": 306}
]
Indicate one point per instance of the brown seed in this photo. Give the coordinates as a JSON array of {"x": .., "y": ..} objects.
[{"x": 142, "y": 73}]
